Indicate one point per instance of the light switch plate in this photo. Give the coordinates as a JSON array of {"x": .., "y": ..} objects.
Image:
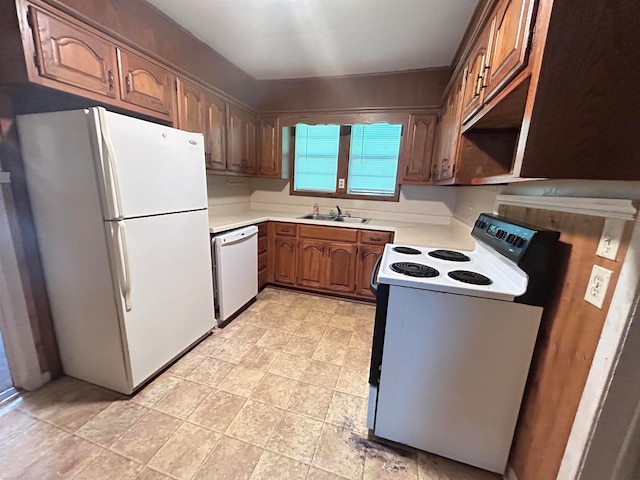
[
  {"x": 610, "y": 239},
  {"x": 598, "y": 286}
]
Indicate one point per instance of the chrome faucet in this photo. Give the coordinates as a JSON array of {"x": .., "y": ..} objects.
[{"x": 339, "y": 211}]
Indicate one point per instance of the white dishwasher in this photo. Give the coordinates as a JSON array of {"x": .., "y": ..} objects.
[{"x": 235, "y": 267}]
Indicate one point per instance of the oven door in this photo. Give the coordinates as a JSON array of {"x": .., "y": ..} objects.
[{"x": 381, "y": 291}]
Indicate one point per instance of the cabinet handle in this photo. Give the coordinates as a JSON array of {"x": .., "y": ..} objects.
[
  {"x": 128, "y": 82},
  {"x": 375, "y": 239},
  {"x": 110, "y": 77},
  {"x": 485, "y": 74},
  {"x": 406, "y": 171}
]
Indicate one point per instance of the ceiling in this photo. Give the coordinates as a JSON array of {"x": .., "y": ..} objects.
[{"x": 275, "y": 39}]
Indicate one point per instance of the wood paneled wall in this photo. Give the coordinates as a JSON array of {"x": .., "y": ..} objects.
[
  {"x": 569, "y": 333},
  {"x": 26, "y": 244},
  {"x": 143, "y": 25},
  {"x": 415, "y": 88}
]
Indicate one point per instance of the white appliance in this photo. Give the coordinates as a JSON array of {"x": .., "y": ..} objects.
[
  {"x": 120, "y": 208},
  {"x": 235, "y": 271},
  {"x": 453, "y": 339}
]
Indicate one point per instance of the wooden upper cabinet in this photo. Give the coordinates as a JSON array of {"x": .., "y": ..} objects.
[
  {"x": 448, "y": 136},
  {"x": 416, "y": 165},
  {"x": 69, "y": 54},
  {"x": 215, "y": 132},
  {"x": 144, "y": 83},
  {"x": 190, "y": 108},
  {"x": 341, "y": 267},
  {"x": 510, "y": 29},
  {"x": 473, "y": 78},
  {"x": 241, "y": 141},
  {"x": 269, "y": 147}
]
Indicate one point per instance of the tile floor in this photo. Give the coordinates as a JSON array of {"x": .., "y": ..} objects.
[{"x": 280, "y": 393}]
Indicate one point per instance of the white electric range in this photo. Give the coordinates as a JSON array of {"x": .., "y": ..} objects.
[{"x": 453, "y": 340}]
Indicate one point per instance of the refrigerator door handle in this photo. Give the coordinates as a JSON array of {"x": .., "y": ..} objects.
[
  {"x": 124, "y": 271},
  {"x": 112, "y": 188}
]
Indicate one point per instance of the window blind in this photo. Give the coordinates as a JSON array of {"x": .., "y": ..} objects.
[
  {"x": 373, "y": 159},
  {"x": 316, "y": 157}
]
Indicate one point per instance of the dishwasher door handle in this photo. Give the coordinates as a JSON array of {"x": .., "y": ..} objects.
[
  {"x": 240, "y": 238},
  {"x": 374, "y": 272}
]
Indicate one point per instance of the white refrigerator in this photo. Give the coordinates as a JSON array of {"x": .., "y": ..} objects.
[{"x": 120, "y": 209}]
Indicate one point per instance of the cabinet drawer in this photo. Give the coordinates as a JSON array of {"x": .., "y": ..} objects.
[
  {"x": 287, "y": 229},
  {"x": 329, "y": 233},
  {"x": 372, "y": 237},
  {"x": 262, "y": 261},
  {"x": 262, "y": 229},
  {"x": 262, "y": 244}
]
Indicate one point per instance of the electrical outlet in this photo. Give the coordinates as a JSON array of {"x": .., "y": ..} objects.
[
  {"x": 341, "y": 183},
  {"x": 597, "y": 286},
  {"x": 610, "y": 239}
]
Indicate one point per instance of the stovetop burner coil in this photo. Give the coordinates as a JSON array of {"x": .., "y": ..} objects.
[
  {"x": 407, "y": 250},
  {"x": 473, "y": 278},
  {"x": 414, "y": 269},
  {"x": 450, "y": 255}
]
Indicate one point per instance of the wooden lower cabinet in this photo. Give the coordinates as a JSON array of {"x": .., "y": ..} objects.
[
  {"x": 327, "y": 265},
  {"x": 311, "y": 263},
  {"x": 284, "y": 260},
  {"x": 263, "y": 259},
  {"x": 367, "y": 256}
]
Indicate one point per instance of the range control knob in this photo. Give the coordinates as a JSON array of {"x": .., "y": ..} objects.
[
  {"x": 519, "y": 242},
  {"x": 500, "y": 234},
  {"x": 511, "y": 238},
  {"x": 481, "y": 224}
]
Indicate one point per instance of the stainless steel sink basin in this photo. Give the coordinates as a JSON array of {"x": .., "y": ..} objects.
[{"x": 335, "y": 218}]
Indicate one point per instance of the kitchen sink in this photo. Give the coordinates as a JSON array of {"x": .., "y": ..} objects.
[{"x": 335, "y": 218}]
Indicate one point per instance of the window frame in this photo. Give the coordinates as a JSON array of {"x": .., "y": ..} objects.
[{"x": 342, "y": 119}]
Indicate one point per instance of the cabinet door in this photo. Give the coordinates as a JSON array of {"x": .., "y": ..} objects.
[
  {"x": 249, "y": 157},
  {"x": 215, "y": 132},
  {"x": 269, "y": 147},
  {"x": 144, "y": 83},
  {"x": 367, "y": 257},
  {"x": 190, "y": 108},
  {"x": 241, "y": 141},
  {"x": 341, "y": 262},
  {"x": 449, "y": 135},
  {"x": 419, "y": 149},
  {"x": 284, "y": 260},
  {"x": 311, "y": 263},
  {"x": 510, "y": 29},
  {"x": 73, "y": 56},
  {"x": 474, "y": 74}
]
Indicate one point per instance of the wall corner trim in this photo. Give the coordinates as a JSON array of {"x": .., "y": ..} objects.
[{"x": 599, "y": 207}]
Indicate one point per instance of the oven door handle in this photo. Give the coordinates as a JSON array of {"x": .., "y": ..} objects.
[{"x": 374, "y": 272}]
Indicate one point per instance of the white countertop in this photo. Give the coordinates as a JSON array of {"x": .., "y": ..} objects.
[{"x": 454, "y": 235}]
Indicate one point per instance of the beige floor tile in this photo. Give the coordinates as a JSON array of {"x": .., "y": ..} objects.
[
  {"x": 263, "y": 320},
  {"x": 338, "y": 337},
  {"x": 209, "y": 345},
  {"x": 231, "y": 460},
  {"x": 350, "y": 309},
  {"x": 156, "y": 390},
  {"x": 367, "y": 312},
  {"x": 185, "y": 451},
  {"x": 218, "y": 410},
  {"x": 321, "y": 374},
  {"x": 388, "y": 464},
  {"x": 275, "y": 309},
  {"x": 359, "y": 360},
  {"x": 326, "y": 305},
  {"x": 110, "y": 466},
  {"x": 329, "y": 353},
  {"x": 305, "y": 301},
  {"x": 301, "y": 346},
  {"x": 310, "y": 330},
  {"x": 144, "y": 439},
  {"x": 341, "y": 451},
  {"x": 66, "y": 459},
  {"x": 273, "y": 466},
  {"x": 287, "y": 325},
  {"x": 112, "y": 422},
  {"x": 353, "y": 382},
  {"x": 433, "y": 467},
  {"x": 288, "y": 365},
  {"x": 241, "y": 381},
  {"x": 248, "y": 334},
  {"x": 310, "y": 400},
  {"x": 150, "y": 474},
  {"x": 274, "y": 390},
  {"x": 211, "y": 372},
  {"x": 318, "y": 318},
  {"x": 274, "y": 340},
  {"x": 13, "y": 423},
  {"x": 361, "y": 341},
  {"x": 232, "y": 351},
  {"x": 34, "y": 443},
  {"x": 348, "y": 411},
  {"x": 316, "y": 474},
  {"x": 183, "y": 400},
  {"x": 296, "y": 436},
  {"x": 187, "y": 364},
  {"x": 344, "y": 322},
  {"x": 259, "y": 358},
  {"x": 364, "y": 325},
  {"x": 255, "y": 423},
  {"x": 298, "y": 312}
]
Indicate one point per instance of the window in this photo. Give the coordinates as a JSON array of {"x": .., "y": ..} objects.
[{"x": 351, "y": 160}]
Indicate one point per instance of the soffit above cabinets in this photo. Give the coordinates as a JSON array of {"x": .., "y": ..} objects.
[{"x": 275, "y": 39}]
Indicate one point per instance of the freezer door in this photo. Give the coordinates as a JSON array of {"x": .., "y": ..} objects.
[
  {"x": 146, "y": 168},
  {"x": 162, "y": 266}
]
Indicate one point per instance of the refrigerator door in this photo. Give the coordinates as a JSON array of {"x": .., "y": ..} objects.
[
  {"x": 162, "y": 269},
  {"x": 146, "y": 168}
]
